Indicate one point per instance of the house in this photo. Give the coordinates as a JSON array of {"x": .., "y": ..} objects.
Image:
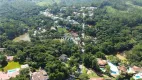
[
  {"x": 96, "y": 79},
  {"x": 122, "y": 69},
  {"x": 134, "y": 69},
  {"x": 4, "y": 76},
  {"x": 101, "y": 62},
  {"x": 53, "y": 28},
  {"x": 63, "y": 58},
  {"x": 25, "y": 66},
  {"x": 9, "y": 58},
  {"x": 2, "y": 49},
  {"x": 74, "y": 34},
  {"x": 40, "y": 75}
]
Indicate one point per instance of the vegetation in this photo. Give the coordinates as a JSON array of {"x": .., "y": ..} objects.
[
  {"x": 24, "y": 75},
  {"x": 115, "y": 26},
  {"x": 3, "y": 61}
]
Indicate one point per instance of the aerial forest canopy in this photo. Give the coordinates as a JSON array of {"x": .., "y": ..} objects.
[{"x": 112, "y": 26}]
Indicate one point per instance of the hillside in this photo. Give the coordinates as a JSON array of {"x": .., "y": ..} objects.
[{"x": 71, "y": 39}]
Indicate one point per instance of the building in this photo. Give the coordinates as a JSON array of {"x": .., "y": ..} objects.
[
  {"x": 9, "y": 58},
  {"x": 101, "y": 62},
  {"x": 63, "y": 58},
  {"x": 25, "y": 66},
  {"x": 4, "y": 76},
  {"x": 2, "y": 49},
  {"x": 53, "y": 28},
  {"x": 40, "y": 75},
  {"x": 134, "y": 69}
]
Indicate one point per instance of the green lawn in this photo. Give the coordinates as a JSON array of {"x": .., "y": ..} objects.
[
  {"x": 12, "y": 65},
  {"x": 60, "y": 30}
]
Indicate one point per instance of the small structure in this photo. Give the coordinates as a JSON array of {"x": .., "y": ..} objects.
[
  {"x": 63, "y": 58},
  {"x": 40, "y": 75},
  {"x": 53, "y": 28},
  {"x": 25, "y": 66},
  {"x": 2, "y": 49},
  {"x": 9, "y": 58}
]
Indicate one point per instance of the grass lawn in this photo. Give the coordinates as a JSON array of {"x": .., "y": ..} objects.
[
  {"x": 60, "y": 30},
  {"x": 12, "y": 65},
  {"x": 0, "y": 69},
  {"x": 93, "y": 74}
]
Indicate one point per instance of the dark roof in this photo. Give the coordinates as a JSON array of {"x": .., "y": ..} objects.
[{"x": 63, "y": 57}]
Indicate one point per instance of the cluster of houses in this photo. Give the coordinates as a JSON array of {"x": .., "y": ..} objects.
[
  {"x": 114, "y": 70},
  {"x": 117, "y": 70},
  {"x": 72, "y": 37}
]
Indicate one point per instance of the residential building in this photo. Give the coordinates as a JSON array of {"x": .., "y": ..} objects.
[
  {"x": 24, "y": 66},
  {"x": 101, "y": 62},
  {"x": 9, "y": 58},
  {"x": 40, "y": 75},
  {"x": 4, "y": 76}
]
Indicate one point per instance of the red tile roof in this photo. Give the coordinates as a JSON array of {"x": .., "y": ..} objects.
[
  {"x": 135, "y": 68},
  {"x": 101, "y": 62}
]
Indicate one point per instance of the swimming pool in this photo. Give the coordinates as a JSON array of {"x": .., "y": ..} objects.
[
  {"x": 138, "y": 76},
  {"x": 13, "y": 70}
]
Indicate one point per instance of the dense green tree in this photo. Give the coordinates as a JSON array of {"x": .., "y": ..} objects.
[{"x": 3, "y": 61}]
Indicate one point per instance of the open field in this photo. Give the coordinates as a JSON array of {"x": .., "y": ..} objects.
[{"x": 24, "y": 37}]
